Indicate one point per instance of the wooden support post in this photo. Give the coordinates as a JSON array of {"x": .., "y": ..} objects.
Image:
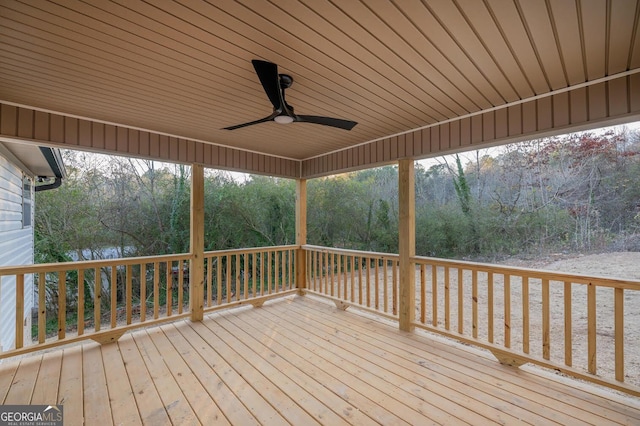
[
  {"x": 301, "y": 234},
  {"x": 407, "y": 246},
  {"x": 196, "y": 269}
]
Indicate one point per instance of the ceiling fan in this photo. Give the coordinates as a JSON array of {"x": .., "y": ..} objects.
[{"x": 274, "y": 85}]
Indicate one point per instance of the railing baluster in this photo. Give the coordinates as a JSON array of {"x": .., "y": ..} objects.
[
  {"x": 254, "y": 277},
  {"x": 19, "y": 311},
  {"x": 169, "y": 297},
  {"x": 568, "y": 329},
  {"x": 62, "y": 304},
  {"x": 353, "y": 278},
  {"x": 129, "y": 293},
  {"x": 311, "y": 270},
  {"x": 395, "y": 288},
  {"x": 218, "y": 280},
  {"x": 228, "y": 286},
  {"x": 490, "y": 306},
  {"x": 460, "y": 300},
  {"x": 284, "y": 269},
  {"x": 209, "y": 261},
  {"x": 525, "y": 314},
  {"x": 474, "y": 303},
  {"x": 423, "y": 293},
  {"x": 180, "y": 285},
  {"x": 245, "y": 291},
  {"x": 156, "y": 290},
  {"x": 377, "y": 284},
  {"x": 42, "y": 307},
  {"x": 619, "y": 332},
  {"x": 114, "y": 295},
  {"x": 447, "y": 297},
  {"x": 360, "y": 280},
  {"x": 143, "y": 292},
  {"x": 332, "y": 273},
  {"x": 340, "y": 275},
  {"x": 368, "y": 281},
  {"x": 434, "y": 295},
  {"x": 292, "y": 261},
  {"x": 385, "y": 283},
  {"x": 591, "y": 327},
  {"x": 269, "y": 272},
  {"x": 324, "y": 275},
  {"x": 276, "y": 272},
  {"x": 97, "y": 304},
  {"x": 262, "y": 280},
  {"x": 546, "y": 321},
  {"x": 507, "y": 310},
  {"x": 237, "y": 278},
  {"x": 319, "y": 276},
  {"x": 80, "y": 314}
]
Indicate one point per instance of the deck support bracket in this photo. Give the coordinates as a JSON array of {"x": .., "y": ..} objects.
[
  {"x": 109, "y": 337},
  {"x": 341, "y": 305},
  {"x": 508, "y": 359}
]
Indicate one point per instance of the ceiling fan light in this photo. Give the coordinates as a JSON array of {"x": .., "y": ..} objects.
[{"x": 283, "y": 119}]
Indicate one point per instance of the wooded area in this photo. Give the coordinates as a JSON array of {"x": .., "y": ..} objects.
[{"x": 572, "y": 193}]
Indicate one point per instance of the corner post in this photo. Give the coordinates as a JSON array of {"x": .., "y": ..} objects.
[
  {"x": 196, "y": 269},
  {"x": 407, "y": 243},
  {"x": 301, "y": 234}
]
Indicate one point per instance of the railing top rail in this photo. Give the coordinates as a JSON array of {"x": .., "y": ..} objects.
[
  {"x": 89, "y": 264},
  {"x": 250, "y": 250},
  {"x": 359, "y": 253},
  {"x": 533, "y": 273}
]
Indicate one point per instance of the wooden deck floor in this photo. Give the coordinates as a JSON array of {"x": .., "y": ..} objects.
[{"x": 297, "y": 361}]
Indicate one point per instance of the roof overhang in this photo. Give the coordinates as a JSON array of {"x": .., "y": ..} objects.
[
  {"x": 36, "y": 161},
  {"x": 161, "y": 79}
]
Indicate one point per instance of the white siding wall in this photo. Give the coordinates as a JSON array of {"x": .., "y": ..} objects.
[{"x": 16, "y": 248}]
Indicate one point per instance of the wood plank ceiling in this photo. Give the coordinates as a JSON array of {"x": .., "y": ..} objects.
[{"x": 183, "y": 68}]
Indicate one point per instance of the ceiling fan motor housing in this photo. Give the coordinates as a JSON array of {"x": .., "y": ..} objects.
[{"x": 285, "y": 81}]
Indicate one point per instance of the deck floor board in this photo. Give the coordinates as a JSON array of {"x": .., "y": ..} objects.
[
  {"x": 384, "y": 387},
  {"x": 95, "y": 391},
  {"x": 446, "y": 364},
  {"x": 298, "y": 360},
  {"x": 534, "y": 391},
  {"x": 24, "y": 380},
  {"x": 45, "y": 391}
]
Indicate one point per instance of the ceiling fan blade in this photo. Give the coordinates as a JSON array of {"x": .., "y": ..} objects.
[
  {"x": 327, "y": 121},
  {"x": 251, "y": 123},
  {"x": 268, "y": 75}
]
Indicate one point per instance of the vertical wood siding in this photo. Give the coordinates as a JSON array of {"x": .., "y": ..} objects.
[
  {"x": 599, "y": 103},
  {"x": 45, "y": 128}
]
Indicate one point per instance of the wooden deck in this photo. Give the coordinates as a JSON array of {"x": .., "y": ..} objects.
[{"x": 298, "y": 361}]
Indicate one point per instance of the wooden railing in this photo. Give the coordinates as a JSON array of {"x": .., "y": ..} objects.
[
  {"x": 101, "y": 300},
  {"x": 571, "y": 323},
  {"x": 368, "y": 280},
  {"x": 234, "y": 277},
  {"x": 566, "y": 322}
]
